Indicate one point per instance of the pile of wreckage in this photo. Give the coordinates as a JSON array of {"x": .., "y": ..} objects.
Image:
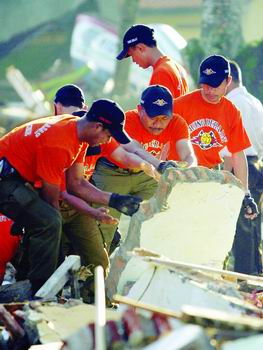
[{"x": 165, "y": 279}]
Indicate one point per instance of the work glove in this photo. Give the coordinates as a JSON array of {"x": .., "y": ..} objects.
[
  {"x": 165, "y": 165},
  {"x": 250, "y": 207},
  {"x": 17, "y": 229},
  {"x": 125, "y": 204}
]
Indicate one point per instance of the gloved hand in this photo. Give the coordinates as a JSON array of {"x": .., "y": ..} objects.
[
  {"x": 250, "y": 207},
  {"x": 17, "y": 229},
  {"x": 168, "y": 164},
  {"x": 125, "y": 204}
]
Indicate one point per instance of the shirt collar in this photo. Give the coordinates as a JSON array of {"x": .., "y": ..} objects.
[{"x": 238, "y": 90}]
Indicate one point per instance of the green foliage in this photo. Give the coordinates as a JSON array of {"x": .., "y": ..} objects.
[
  {"x": 221, "y": 27},
  {"x": 194, "y": 54},
  {"x": 50, "y": 86},
  {"x": 250, "y": 59}
]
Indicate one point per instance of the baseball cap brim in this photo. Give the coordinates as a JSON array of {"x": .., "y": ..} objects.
[
  {"x": 120, "y": 135},
  {"x": 123, "y": 54},
  {"x": 214, "y": 82},
  {"x": 156, "y": 112}
]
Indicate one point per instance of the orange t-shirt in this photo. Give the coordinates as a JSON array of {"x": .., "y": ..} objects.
[
  {"x": 8, "y": 244},
  {"x": 183, "y": 74},
  {"x": 167, "y": 73},
  {"x": 91, "y": 157},
  {"x": 162, "y": 146},
  {"x": 44, "y": 148},
  {"x": 94, "y": 153},
  {"x": 212, "y": 127}
]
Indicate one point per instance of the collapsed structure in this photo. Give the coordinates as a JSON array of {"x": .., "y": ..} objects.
[{"x": 169, "y": 267}]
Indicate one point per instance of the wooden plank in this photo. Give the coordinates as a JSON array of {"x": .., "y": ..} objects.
[
  {"x": 100, "y": 342},
  {"x": 145, "y": 306},
  {"x": 201, "y": 316},
  {"x": 177, "y": 264},
  {"x": 59, "y": 278}
]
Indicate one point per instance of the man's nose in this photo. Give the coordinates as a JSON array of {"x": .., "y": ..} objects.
[{"x": 157, "y": 124}]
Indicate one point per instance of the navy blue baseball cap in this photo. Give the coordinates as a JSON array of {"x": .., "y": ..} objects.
[
  {"x": 111, "y": 115},
  {"x": 70, "y": 95},
  {"x": 157, "y": 100},
  {"x": 213, "y": 70},
  {"x": 136, "y": 34}
]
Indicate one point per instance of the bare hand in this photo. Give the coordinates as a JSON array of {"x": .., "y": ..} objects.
[
  {"x": 102, "y": 215},
  {"x": 150, "y": 170},
  {"x": 10, "y": 323}
]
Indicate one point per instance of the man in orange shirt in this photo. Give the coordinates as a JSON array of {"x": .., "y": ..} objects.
[
  {"x": 214, "y": 122},
  {"x": 41, "y": 151},
  {"x": 139, "y": 43},
  {"x": 161, "y": 133}
]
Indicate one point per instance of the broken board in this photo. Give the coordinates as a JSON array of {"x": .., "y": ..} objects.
[{"x": 191, "y": 218}]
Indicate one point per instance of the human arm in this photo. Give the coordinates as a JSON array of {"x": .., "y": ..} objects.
[
  {"x": 239, "y": 163},
  {"x": 99, "y": 214},
  {"x": 228, "y": 163},
  {"x": 133, "y": 161},
  {"x": 136, "y": 148},
  {"x": 159, "y": 165},
  {"x": 185, "y": 151},
  {"x": 227, "y": 156},
  {"x": 78, "y": 186},
  {"x": 240, "y": 168},
  {"x": 50, "y": 193}
]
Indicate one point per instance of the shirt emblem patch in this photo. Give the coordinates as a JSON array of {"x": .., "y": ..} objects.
[{"x": 205, "y": 140}]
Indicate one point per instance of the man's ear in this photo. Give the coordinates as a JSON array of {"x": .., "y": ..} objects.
[
  {"x": 139, "y": 109},
  {"x": 141, "y": 47},
  {"x": 58, "y": 108},
  {"x": 228, "y": 80},
  {"x": 98, "y": 126}
]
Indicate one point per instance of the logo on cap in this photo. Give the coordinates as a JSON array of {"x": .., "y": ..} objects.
[
  {"x": 209, "y": 71},
  {"x": 132, "y": 40},
  {"x": 104, "y": 120},
  {"x": 160, "y": 102}
]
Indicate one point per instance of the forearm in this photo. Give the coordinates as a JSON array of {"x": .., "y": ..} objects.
[
  {"x": 186, "y": 152},
  {"x": 127, "y": 159},
  {"x": 191, "y": 160},
  {"x": 78, "y": 204},
  {"x": 239, "y": 163},
  {"x": 228, "y": 163},
  {"x": 89, "y": 193},
  {"x": 136, "y": 148},
  {"x": 99, "y": 214},
  {"x": 50, "y": 194}
]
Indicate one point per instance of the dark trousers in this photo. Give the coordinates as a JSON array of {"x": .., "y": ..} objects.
[
  {"x": 82, "y": 236},
  {"x": 20, "y": 202},
  {"x": 247, "y": 247}
]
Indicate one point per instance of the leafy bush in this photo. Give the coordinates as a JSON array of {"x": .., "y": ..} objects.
[
  {"x": 250, "y": 59},
  {"x": 194, "y": 54}
]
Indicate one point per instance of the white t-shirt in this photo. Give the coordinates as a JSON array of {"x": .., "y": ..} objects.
[{"x": 252, "y": 115}]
